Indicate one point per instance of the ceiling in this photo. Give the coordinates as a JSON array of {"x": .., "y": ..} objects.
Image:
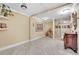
[
  {"x": 56, "y": 13},
  {"x": 35, "y": 8}
]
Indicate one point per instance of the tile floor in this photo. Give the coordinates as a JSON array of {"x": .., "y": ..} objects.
[{"x": 43, "y": 46}]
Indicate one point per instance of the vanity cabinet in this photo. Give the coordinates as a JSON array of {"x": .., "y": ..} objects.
[{"x": 70, "y": 41}]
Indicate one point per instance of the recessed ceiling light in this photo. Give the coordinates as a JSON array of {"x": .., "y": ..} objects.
[
  {"x": 45, "y": 18},
  {"x": 23, "y": 5},
  {"x": 38, "y": 19},
  {"x": 65, "y": 11}
]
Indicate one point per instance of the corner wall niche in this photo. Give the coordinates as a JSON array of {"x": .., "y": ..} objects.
[{"x": 3, "y": 23}]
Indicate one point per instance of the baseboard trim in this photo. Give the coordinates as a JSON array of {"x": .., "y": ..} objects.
[
  {"x": 32, "y": 39},
  {"x": 18, "y": 44},
  {"x": 13, "y": 45}
]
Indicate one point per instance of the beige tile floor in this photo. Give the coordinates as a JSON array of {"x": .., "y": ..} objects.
[{"x": 43, "y": 46}]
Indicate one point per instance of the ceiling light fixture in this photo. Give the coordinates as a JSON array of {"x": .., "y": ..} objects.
[
  {"x": 38, "y": 19},
  {"x": 45, "y": 18},
  {"x": 23, "y": 5},
  {"x": 65, "y": 11}
]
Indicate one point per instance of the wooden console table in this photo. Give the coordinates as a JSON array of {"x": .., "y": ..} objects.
[{"x": 70, "y": 41}]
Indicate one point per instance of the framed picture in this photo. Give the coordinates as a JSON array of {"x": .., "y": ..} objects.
[
  {"x": 68, "y": 26},
  {"x": 39, "y": 27},
  {"x": 57, "y": 26}
]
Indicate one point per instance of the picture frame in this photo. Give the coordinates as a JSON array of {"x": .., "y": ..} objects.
[{"x": 39, "y": 27}]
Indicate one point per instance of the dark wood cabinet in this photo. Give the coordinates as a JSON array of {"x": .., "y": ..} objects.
[{"x": 70, "y": 41}]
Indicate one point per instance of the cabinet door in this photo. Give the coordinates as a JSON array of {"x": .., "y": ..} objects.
[
  {"x": 69, "y": 41},
  {"x": 74, "y": 42}
]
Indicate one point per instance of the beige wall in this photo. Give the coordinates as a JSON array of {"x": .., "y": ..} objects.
[
  {"x": 47, "y": 26},
  {"x": 33, "y": 33},
  {"x": 18, "y": 30}
]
